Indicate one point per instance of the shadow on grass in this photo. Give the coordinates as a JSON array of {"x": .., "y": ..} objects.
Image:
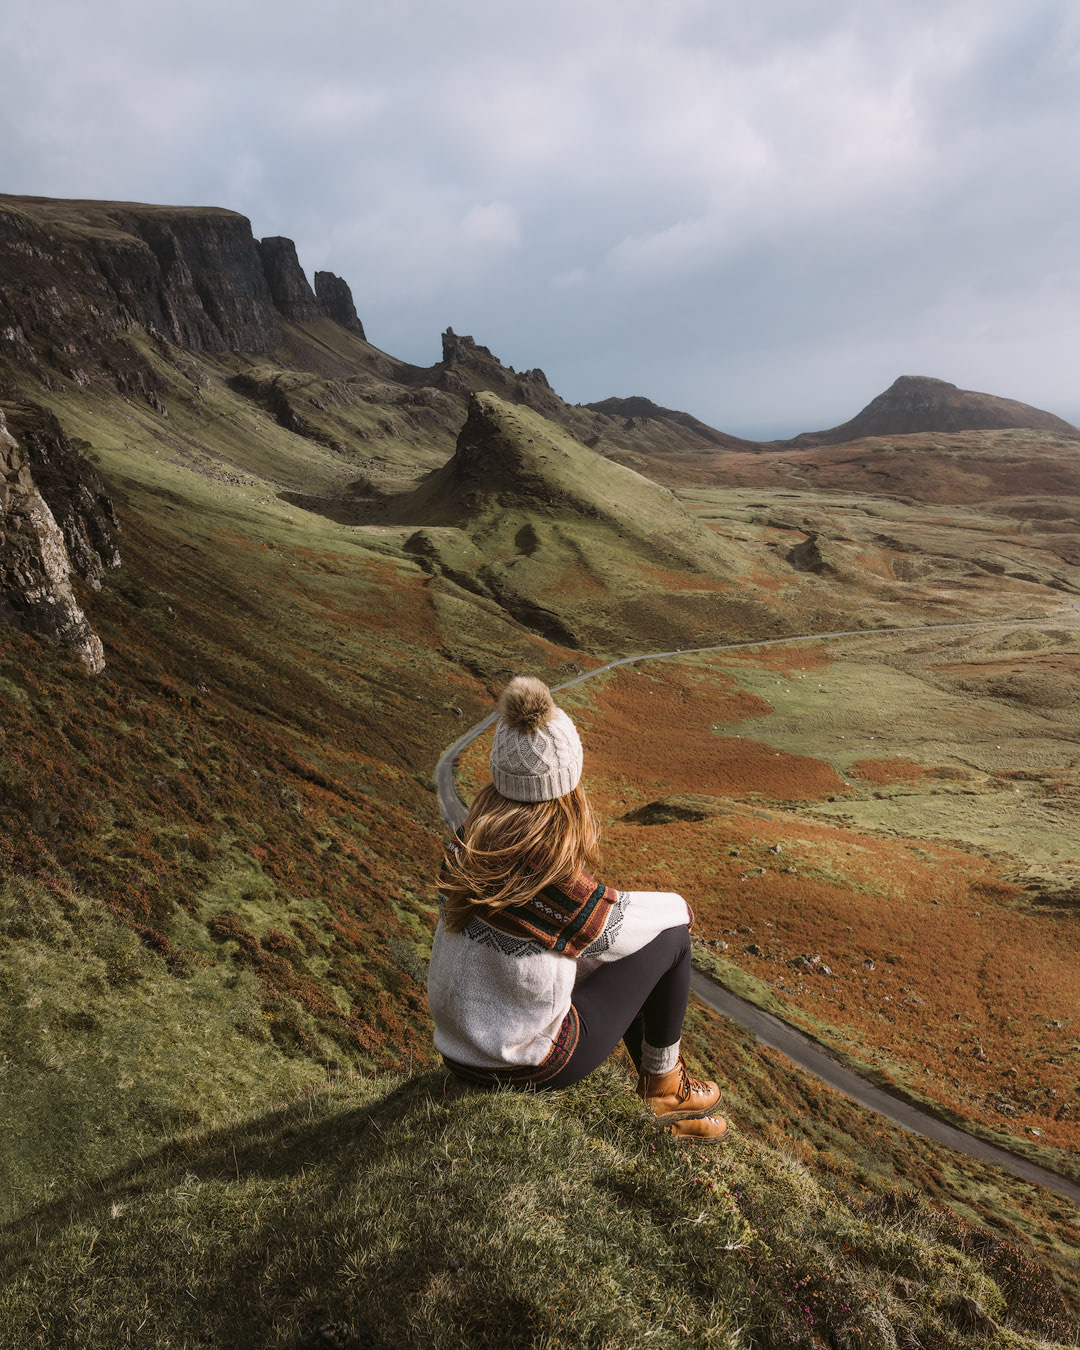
[{"x": 279, "y": 1145}]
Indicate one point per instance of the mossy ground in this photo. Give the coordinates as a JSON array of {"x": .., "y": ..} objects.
[{"x": 386, "y": 1211}]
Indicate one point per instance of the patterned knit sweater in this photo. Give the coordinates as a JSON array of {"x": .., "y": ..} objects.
[{"x": 500, "y": 991}]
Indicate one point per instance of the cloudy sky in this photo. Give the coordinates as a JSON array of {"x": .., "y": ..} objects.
[{"x": 760, "y": 213}]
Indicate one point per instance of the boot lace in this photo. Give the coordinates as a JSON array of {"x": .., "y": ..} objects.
[{"x": 689, "y": 1085}]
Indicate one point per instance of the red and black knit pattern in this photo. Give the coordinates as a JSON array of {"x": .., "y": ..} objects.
[
  {"x": 561, "y": 919},
  {"x": 527, "y": 1075}
]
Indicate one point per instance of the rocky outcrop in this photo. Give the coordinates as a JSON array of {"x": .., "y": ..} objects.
[
  {"x": 682, "y": 806},
  {"x": 293, "y": 297},
  {"x": 807, "y": 556},
  {"x": 76, "y": 274},
  {"x": 72, "y": 489},
  {"x": 917, "y": 403},
  {"x": 469, "y": 368},
  {"x": 464, "y": 352},
  {"x": 36, "y": 595},
  {"x": 337, "y": 302}
]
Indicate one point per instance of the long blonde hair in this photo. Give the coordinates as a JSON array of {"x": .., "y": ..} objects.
[{"x": 512, "y": 850}]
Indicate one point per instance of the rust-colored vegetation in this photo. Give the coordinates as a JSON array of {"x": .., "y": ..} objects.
[
  {"x": 810, "y": 657},
  {"x": 934, "y": 975},
  {"x": 884, "y": 771},
  {"x": 661, "y": 733},
  {"x": 229, "y": 768},
  {"x": 938, "y": 975},
  {"x": 649, "y": 735},
  {"x": 942, "y": 468}
]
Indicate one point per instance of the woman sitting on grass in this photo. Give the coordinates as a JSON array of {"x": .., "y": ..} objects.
[{"x": 538, "y": 970}]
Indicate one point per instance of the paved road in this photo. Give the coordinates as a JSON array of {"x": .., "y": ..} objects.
[
  {"x": 816, "y": 1059},
  {"x": 769, "y": 1030}
]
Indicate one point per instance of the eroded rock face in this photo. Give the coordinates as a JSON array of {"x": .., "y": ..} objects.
[
  {"x": 79, "y": 280},
  {"x": 77, "y": 277},
  {"x": 336, "y": 298},
  {"x": 467, "y": 367},
  {"x": 36, "y": 595},
  {"x": 72, "y": 489},
  {"x": 293, "y": 297}
]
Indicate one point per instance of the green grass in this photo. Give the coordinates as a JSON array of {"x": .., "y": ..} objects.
[
  {"x": 215, "y": 860},
  {"x": 406, "y": 1211},
  {"x": 217, "y": 868},
  {"x": 104, "y": 1053}
]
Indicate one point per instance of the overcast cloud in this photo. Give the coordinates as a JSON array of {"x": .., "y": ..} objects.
[{"x": 760, "y": 214}]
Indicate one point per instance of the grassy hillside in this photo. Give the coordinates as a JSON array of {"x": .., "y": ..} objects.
[
  {"x": 220, "y": 1114},
  {"x": 216, "y": 858},
  {"x": 381, "y": 1211},
  {"x": 574, "y": 545}
]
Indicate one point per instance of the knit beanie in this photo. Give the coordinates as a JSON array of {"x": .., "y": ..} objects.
[{"x": 536, "y": 755}]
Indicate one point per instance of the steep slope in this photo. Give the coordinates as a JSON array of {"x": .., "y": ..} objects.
[
  {"x": 582, "y": 549},
  {"x": 215, "y": 857},
  {"x": 918, "y": 403}
]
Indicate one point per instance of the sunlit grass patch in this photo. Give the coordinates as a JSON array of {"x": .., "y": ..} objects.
[{"x": 410, "y": 1211}]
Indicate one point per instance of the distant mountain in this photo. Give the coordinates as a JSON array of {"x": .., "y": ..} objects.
[
  {"x": 638, "y": 409},
  {"x": 916, "y": 403}
]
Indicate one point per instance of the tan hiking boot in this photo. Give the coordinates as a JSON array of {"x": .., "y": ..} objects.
[
  {"x": 701, "y": 1130},
  {"x": 677, "y": 1096}
]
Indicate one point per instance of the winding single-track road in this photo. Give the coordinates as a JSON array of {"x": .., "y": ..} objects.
[{"x": 808, "y": 1054}]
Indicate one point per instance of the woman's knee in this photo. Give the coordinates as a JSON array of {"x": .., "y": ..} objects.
[{"x": 676, "y": 940}]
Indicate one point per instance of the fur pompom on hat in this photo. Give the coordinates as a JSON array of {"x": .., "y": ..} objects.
[{"x": 536, "y": 755}]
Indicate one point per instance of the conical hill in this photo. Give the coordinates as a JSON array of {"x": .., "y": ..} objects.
[
  {"x": 918, "y": 403},
  {"x": 572, "y": 544}
]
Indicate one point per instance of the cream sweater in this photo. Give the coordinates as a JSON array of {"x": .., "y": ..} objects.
[{"x": 499, "y": 1001}]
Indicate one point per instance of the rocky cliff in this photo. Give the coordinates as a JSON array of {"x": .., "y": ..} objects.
[
  {"x": 83, "y": 286},
  {"x": 77, "y": 277},
  {"x": 337, "y": 301},
  {"x": 42, "y": 541},
  {"x": 468, "y": 368},
  {"x": 71, "y": 486},
  {"x": 292, "y": 296},
  {"x": 916, "y": 403}
]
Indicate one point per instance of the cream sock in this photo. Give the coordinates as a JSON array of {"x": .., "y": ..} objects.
[{"x": 656, "y": 1060}]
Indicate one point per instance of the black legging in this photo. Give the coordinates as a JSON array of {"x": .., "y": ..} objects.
[{"x": 643, "y": 995}]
